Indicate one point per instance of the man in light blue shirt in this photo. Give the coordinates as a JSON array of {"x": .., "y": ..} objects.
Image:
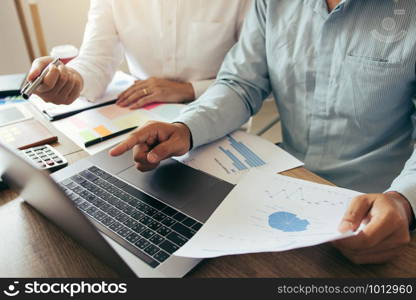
[{"x": 343, "y": 76}]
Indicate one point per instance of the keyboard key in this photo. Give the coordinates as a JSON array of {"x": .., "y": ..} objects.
[
  {"x": 127, "y": 209},
  {"x": 169, "y": 211},
  {"x": 78, "y": 179},
  {"x": 182, "y": 229},
  {"x": 142, "y": 243},
  {"x": 132, "y": 238},
  {"x": 116, "y": 226},
  {"x": 78, "y": 190},
  {"x": 71, "y": 185},
  {"x": 159, "y": 216},
  {"x": 168, "y": 222},
  {"x": 147, "y": 233},
  {"x": 100, "y": 215},
  {"x": 189, "y": 222},
  {"x": 118, "y": 183},
  {"x": 130, "y": 223},
  {"x": 138, "y": 228},
  {"x": 143, "y": 207},
  {"x": 105, "y": 207},
  {"x": 91, "y": 210},
  {"x": 137, "y": 215},
  {"x": 124, "y": 231},
  {"x": 100, "y": 173},
  {"x": 143, "y": 197},
  {"x": 114, "y": 212},
  {"x": 145, "y": 220},
  {"x": 122, "y": 217},
  {"x": 156, "y": 239},
  {"x": 78, "y": 201},
  {"x": 154, "y": 225},
  {"x": 151, "y": 250},
  {"x": 163, "y": 231},
  {"x": 197, "y": 226},
  {"x": 179, "y": 217},
  {"x": 132, "y": 211},
  {"x": 177, "y": 238},
  {"x": 113, "y": 200},
  {"x": 88, "y": 175},
  {"x": 108, "y": 221},
  {"x": 84, "y": 206},
  {"x": 121, "y": 205},
  {"x": 161, "y": 256},
  {"x": 168, "y": 247}
]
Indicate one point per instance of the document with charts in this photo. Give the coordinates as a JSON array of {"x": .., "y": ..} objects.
[
  {"x": 234, "y": 155},
  {"x": 268, "y": 212}
]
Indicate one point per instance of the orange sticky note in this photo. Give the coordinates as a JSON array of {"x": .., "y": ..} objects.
[{"x": 102, "y": 131}]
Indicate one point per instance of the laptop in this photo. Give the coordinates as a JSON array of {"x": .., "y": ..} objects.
[{"x": 132, "y": 221}]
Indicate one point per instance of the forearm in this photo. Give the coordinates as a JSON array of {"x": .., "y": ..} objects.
[
  {"x": 100, "y": 53},
  {"x": 215, "y": 114}
]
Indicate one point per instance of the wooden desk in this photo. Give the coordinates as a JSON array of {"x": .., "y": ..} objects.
[{"x": 33, "y": 247}]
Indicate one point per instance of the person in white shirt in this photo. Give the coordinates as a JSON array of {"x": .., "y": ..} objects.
[{"x": 173, "y": 47}]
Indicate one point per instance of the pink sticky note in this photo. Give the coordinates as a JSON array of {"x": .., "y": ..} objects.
[{"x": 152, "y": 105}]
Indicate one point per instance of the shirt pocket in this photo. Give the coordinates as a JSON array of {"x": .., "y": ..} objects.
[
  {"x": 370, "y": 89},
  {"x": 207, "y": 45}
]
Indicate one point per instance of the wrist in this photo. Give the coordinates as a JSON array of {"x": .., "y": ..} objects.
[
  {"x": 187, "y": 92},
  {"x": 405, "y": 204},
  {"x": 78, "y": 76},
  {"x": 187, "y": 133}
]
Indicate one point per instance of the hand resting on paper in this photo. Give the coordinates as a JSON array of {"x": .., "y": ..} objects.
[{"x": 144, "y": 92}]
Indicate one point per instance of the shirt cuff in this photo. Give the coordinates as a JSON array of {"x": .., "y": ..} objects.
[
  {"x": 197, "y": 132},
  {"x": 88, "y": 90},
  {"x": 408, "y": 190},
  {"x": 201, "y": 86}
]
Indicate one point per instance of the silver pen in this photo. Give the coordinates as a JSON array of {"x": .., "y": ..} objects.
[{"x": 31, "y": 86}]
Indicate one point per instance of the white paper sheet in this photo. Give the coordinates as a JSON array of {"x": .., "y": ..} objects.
[
  {"x": 266, "y": 213},
  {"x": 233, "y": 156},
  {"x": 121, "y": 81}
]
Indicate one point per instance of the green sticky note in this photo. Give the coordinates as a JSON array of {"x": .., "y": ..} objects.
[{"x": 87, "y": 135}]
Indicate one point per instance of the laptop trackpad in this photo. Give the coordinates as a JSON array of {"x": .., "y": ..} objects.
[{"x": 172, "y": 182}]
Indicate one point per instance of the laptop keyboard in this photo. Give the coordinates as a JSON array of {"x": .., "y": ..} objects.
[{"x": 142, "y": 224}]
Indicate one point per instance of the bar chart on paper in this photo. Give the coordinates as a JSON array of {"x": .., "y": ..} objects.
[
  {"x": 250, "y": 159},
  {"x": 233, "y": 156}
]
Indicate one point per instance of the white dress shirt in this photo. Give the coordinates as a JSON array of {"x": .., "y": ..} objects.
[{"x": 184, "y": 40}]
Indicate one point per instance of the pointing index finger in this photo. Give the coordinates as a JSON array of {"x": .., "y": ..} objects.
[{"x": 138, "y": 137}]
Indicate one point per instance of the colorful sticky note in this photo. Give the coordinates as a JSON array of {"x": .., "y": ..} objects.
[
  {"x": 102, "y": 130},
  {"x": 113, "y": 111},
  {"x": 133, "y": 119},
  {"x": 152, "y": 105},
  {"x": 87, "y": 135},
  {"x": 78, "y": 122}
]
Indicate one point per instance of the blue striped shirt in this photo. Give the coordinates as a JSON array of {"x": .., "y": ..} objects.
[{"x": 343, "y": 82}]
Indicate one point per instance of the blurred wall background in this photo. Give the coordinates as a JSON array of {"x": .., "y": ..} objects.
[{"x": 63, "y": 22}]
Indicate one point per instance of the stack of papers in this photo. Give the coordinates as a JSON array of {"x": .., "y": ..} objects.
[{"x": 267, "y": 212}]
